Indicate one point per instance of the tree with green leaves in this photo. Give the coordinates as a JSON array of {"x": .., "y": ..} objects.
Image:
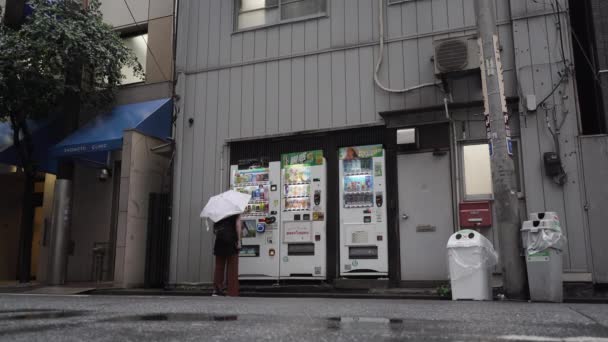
[{"x": 61, "y": 50}]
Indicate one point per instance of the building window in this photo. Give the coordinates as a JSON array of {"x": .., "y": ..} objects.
[
  {"x": 137, "y": 44},
  {"x": 256, "y": 13},
  {"x": 477, "y": 171},
  {"x": 478, "y": 174}
]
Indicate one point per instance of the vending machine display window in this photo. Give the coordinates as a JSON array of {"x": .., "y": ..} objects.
[
  {"x": 296, "y": 191},
  {"x": 256, "y": 183},
  {"x": 358, "y": 183}
]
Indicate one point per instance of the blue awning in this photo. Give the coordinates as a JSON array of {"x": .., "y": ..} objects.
[
  {"x": 105, "y": 132},
  {"x": 45, "y": 134}
]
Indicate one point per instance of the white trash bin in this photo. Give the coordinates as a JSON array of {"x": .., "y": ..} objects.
[{"x": 471, "y": 258}]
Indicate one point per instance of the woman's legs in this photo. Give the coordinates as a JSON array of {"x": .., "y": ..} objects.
[
  {"x": 232, "y": 275},
  {"x": 218, "y": 276}
]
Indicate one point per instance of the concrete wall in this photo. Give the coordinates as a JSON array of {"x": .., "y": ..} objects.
[
  {"x": 143, "y": 172},
  {"x": 318, "y": 74},
  {"x": 155, "y": 17},
  {"x": 10, "y": 218}
]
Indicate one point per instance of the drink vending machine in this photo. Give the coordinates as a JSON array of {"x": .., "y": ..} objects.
[
  {"x": 259, "y": 256},
  {"x": 363, "y": 214},
  {"x": 303, "y": 203}
]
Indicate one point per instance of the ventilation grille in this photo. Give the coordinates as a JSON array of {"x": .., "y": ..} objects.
[
  {"x": 452, "y": 55},
  {"x": 360, "y": 237}
]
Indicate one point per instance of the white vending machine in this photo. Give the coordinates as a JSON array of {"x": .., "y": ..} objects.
[
  {"x": 259, "y": 256},
  {"x": 304, "y": 202},
  {"x": 363, "y": 214}
]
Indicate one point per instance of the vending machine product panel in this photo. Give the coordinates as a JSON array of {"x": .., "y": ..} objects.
[
  {"x": 303, "y": 206},
  {"x": 259, "y": 255},
  {"x": 363, "y": 214}
]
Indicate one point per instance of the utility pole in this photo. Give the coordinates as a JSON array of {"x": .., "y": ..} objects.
[{"x": 506, "y": 202}]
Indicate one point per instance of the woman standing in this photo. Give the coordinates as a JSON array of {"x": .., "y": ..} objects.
[{"x": 226, "y": 251}]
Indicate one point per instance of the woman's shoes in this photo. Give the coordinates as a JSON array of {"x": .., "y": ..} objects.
[{"x": 218, "y": 293}]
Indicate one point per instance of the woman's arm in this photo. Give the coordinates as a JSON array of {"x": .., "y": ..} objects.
[{"x": 239, "y": 231}]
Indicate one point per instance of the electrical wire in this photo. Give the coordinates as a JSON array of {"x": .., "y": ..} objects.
[
  {"x": 557, "y": 11},
  {"x": 146, "y": 42},
  {"x": 592, "y": 65},
  {"x": 557, "y": 85},
  {"x": 381, "y": 56}
]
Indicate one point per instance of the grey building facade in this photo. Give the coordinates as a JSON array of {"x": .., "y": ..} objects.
[{"x": 250, "y": 78}]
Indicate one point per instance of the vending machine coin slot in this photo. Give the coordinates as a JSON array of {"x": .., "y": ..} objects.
[
  {"x": 379, "y": 199},
  {"x": 317, "y": 198}
]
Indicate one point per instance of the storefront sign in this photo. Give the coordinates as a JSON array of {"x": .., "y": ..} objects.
[
  {"x": 298, "y": 232},
  {"x": 309, "y": 158},
  {"x": 358, "y": 152}
]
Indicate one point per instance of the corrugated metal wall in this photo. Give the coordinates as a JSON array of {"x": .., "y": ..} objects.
[
  {"x": 538, "y": 59},
  {"x": 318, "y": 74}
]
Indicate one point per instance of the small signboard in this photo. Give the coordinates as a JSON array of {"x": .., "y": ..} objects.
[
  {"x": 297, "y": 232},
  {"x": 358, "y": 152},
  {"x": 308, "y": 158}
]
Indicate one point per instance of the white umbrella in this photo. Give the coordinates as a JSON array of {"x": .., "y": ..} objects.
[{"x": 225, "y": 205}]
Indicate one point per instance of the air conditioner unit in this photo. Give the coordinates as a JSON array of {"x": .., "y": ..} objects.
[{"x": 456, "y": 55}]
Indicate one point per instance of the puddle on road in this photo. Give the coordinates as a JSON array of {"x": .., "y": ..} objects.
[
  {"x": 16, "y": 311},
  {"x": 336, "y": 323},
  {"x": 176, "y": 317},
  {"x": 40, "y": 314}
]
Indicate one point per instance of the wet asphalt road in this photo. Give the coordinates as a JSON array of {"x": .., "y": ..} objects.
[{"x": 107, "y": 318}]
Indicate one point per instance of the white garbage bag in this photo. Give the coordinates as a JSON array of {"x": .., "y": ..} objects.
[
  {"x": 542, "y": 235},
  {"x": 470, "y": 251}
]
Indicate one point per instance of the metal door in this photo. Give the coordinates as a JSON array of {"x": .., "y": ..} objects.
[{"x": 425, "y": 210}]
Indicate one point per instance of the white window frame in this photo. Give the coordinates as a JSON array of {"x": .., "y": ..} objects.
[
  {"x": 465, "y": 196},
  {"x": 483, "y": 197},
  {"x": 235, "y": 16}
]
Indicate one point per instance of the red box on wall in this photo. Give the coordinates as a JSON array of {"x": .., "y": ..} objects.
[{"x": 475, "y": 214}]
